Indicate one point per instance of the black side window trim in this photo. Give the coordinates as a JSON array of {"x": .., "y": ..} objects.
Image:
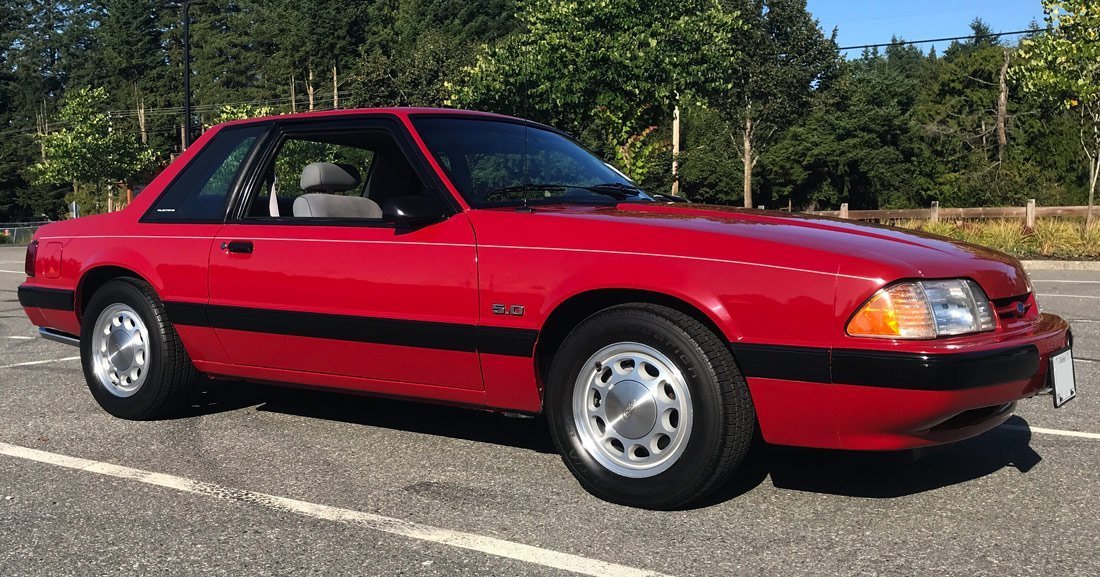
[
  {"x": 150, "y": 216},
  {"x": 265, "y": 152}
]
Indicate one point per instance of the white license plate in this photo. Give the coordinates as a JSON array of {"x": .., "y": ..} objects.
[{"x": 1062, "y": 379}]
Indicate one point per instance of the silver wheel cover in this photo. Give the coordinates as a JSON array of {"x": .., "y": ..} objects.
[
  {"x": 632, "y": 410},
  {"x": 120, "y": 350}
]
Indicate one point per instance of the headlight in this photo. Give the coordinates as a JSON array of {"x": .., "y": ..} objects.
[{"x": 924, "y": 309}]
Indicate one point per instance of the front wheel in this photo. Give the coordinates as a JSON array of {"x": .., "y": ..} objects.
[{"x": 648, "y": 408}]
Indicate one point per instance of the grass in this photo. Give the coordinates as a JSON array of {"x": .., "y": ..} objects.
[{"x": 1052, "y": 238}]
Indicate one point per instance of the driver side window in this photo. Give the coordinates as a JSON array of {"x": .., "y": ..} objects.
[{"x": 334, "y": 175}]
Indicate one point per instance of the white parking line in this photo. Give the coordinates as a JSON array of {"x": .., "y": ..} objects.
[
  {"x": 1059, "y": 432},
  {"x": 30, "y": 363},
  {"x": 14, "y": 271},
  {"x": 19, "y": 337},
  {"x": 1066, "y": 281},
  {"x": 1069, "y": 296},
  {"x": 460, "y": 539}
]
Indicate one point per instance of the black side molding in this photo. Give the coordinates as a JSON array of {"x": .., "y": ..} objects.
[
  {"x": 778, "y": 362},
  {"x": 189, "y": 314},
  {"x": 896, "y": 370},
  {"x": 386, "y": 331},
  {"x": 505, "y": 341},
  {"x": 46, "y": 298}
]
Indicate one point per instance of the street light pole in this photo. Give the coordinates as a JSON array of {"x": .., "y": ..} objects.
[
  {"x": 186, "y": 5},
  {"x": 186, "y": 74}
]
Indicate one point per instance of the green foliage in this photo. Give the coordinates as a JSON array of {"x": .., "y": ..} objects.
[
  {"x": 607, "y": 70},
  {"x": 858, "y": 145},
  {"x": 89, "y": 151},
  {"x": 1063, "y": 62},
  {"x": 230, "y": 112},
  {"x": 897, "y": 128},
  {"x": 710, "y": 169},
  {"x": 1062, "y": 65}
]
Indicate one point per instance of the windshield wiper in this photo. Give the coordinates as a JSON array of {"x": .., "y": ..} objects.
[
  {"x": 615, "y": 190},
  {"x": 627, "y": 190},
  {"x": 507, "y": 192}
]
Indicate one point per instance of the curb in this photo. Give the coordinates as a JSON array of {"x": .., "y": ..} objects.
[{"x": 1061, "y": 265}]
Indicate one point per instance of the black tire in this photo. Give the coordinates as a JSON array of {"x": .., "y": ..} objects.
[
  {"x": 723, "y": 422},
  {"x": 171, "y": 376}
]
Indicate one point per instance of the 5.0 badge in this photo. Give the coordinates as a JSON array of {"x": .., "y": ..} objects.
[{"x": 510, "y": 310}]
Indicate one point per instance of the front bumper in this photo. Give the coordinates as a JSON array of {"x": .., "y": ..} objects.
[{"x": 878, "y": 400}]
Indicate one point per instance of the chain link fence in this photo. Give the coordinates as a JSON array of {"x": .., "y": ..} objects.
[{"x": 18, "y": 232}]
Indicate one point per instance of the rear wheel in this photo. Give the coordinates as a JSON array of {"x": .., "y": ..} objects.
[
  {"x": 647, "y": 407},
  {"x": 134, "y": 362}
]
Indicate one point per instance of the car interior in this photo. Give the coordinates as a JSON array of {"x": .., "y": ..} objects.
[{"x": 341, "y": 175}]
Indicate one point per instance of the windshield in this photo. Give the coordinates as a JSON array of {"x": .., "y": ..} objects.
[{"x": 501, "y": 163}]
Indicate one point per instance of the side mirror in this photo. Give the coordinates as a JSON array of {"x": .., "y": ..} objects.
[{"x": 414, "y": 209}]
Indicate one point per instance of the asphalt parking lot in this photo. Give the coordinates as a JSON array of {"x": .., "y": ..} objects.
[{"x": 260, "y": 480}]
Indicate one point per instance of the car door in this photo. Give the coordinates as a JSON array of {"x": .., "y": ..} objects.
[{"x": 312, "y": 281}]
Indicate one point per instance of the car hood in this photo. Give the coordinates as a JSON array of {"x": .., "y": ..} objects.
[{"x": 847, "y": 247}]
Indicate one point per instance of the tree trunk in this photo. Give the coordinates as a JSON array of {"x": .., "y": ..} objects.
[
  {"x": 1091, "y": 147},
  {"x": 141, "y": 122},
  {"x": 309, "y": 88},
  {"x": 1002, "y": 111},
  {"x": 44, "y": 130},
  {"x": 675, "y": 150},
  {"x": 1094, "y": 172},
  {"x": 746, "y": 160},
  {"x": 985, "y": 142},
  {"x": 293, "y": 97},
  {"x": 335, "y": 89}
]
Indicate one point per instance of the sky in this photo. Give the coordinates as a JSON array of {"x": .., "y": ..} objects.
[{"x": 870, "y": 22}]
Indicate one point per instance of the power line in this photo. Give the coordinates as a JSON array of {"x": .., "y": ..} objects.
[{"x": 948, "y": 39}]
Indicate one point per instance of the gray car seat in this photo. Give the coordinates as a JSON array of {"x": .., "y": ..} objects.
[{"x": 322, "y": 180}]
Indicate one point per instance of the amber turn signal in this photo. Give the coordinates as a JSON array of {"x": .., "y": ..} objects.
[
  {"x": 924, "y": 310},
  {"x": 899, "y": 311}
]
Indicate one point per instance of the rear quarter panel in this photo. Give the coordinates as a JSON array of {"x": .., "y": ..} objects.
[{"x": 172, "y": 258}]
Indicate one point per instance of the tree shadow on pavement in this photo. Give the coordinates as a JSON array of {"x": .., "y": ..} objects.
[{"x": 885, "y": 474}]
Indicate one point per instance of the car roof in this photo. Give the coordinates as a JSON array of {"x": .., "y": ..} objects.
[{"x": 401, "y": 111}]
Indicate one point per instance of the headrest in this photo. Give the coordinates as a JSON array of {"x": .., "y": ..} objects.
[{"x": 329, "y": 177}]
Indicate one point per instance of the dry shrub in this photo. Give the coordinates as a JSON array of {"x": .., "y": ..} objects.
[{"x": 1060, "y": 238}]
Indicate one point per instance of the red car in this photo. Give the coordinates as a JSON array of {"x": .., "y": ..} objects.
[{"x": 491, "y": 262}]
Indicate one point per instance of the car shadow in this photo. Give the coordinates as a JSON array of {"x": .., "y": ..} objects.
[
  {"x": 528, "y": 433},
  {"x": 886, "y": 474},
  {"x": 880, "y": 475}
]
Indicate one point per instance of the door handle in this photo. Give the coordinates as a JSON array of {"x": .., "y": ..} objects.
[{"x": 238, "y": 246}]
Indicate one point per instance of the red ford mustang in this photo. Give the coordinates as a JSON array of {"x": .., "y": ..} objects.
[{"x": 491, "y": 262}]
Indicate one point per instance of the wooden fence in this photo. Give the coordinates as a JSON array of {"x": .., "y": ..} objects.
[{"x": 934, "y": 213}]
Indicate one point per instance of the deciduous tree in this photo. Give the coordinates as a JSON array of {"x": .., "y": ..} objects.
[
  {"x": 89, "y": 151},
  {"x": 608, "y": 70},
  {"x": 1062, "y": 64},
  {"x": 787, "y": 58}
]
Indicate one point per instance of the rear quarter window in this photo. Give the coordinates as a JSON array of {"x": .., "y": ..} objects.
[{"x": 201, "y": 191}]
